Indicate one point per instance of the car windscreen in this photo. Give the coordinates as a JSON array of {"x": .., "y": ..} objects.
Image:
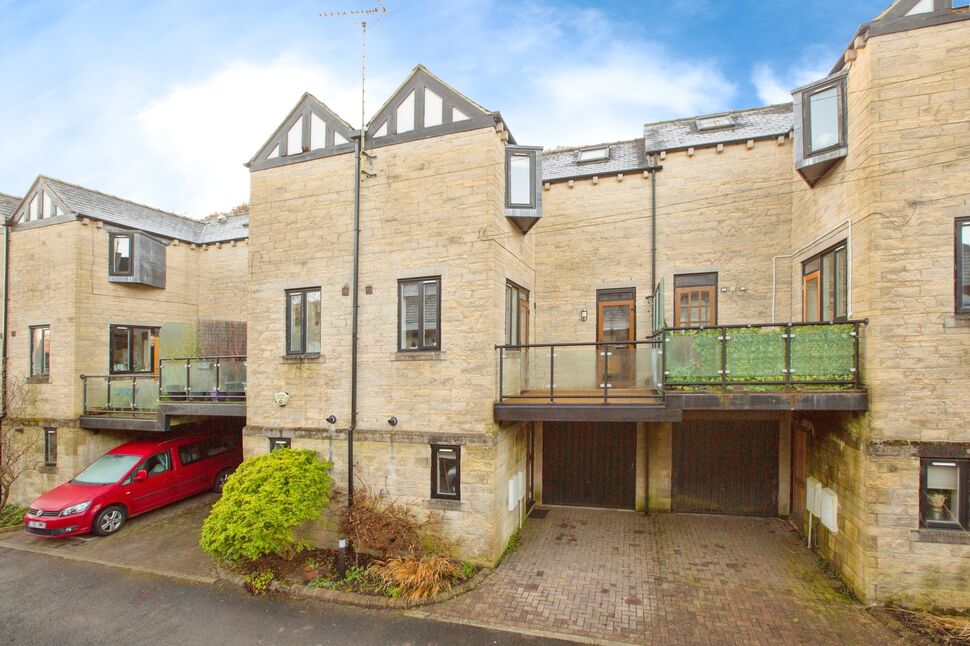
[{"x": 108, "y": 469}]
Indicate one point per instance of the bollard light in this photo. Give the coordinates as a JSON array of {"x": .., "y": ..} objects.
[{"x": 342, "y": 558}]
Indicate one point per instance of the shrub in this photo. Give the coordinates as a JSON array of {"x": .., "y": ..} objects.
[
  {"x": 12, "y": 515},
  {"x": 417, "y": 578},
  {"x": 387, "y": 528},
  {"x": 263, "y": 502},
  {"x": 258, "y": 583}
]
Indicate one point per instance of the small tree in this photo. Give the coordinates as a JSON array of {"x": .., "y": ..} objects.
[
  {"x": 267, "y": 498},
  {"x": 15, "y": 448}
]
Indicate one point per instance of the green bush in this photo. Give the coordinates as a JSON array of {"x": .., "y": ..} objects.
[
  {"x": 12, "y": 515},
  {"x": 263, "y": 502}
]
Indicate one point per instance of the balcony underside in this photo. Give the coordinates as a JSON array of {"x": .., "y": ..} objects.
[
  {"x": 673, "y": 405},
  {"x": 168, "y": 417}
]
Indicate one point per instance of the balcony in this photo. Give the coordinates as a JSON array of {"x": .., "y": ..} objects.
[
  {"x": 793, "y": 366},
  {"x": 194, "y": 386}
]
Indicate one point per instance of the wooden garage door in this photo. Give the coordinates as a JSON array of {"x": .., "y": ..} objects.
[
  {"x": 726, "y": 467},
  {"x": 589, "y": 464}
]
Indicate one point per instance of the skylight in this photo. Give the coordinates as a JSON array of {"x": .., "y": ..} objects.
[
  {"x": 714, "y": 123},
  {"x": 594, "y": 154}
]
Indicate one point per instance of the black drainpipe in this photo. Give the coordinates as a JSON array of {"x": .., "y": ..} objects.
[{"x": 358, "y": 149}]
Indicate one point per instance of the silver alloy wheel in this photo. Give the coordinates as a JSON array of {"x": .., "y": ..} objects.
[
  {"x": 111, "y": 521},
  {"x": 221, "y": 480}
]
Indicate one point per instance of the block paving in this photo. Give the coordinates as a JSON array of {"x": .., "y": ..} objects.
[{"x": 667, "y": 579}]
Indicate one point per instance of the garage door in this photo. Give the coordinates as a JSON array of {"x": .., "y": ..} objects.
[
  {"x": 726, "y": 467},
  {"x": 589, "y": 464}
]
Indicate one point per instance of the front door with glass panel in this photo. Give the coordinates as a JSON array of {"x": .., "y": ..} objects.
[{"x": 616, "y": 325}]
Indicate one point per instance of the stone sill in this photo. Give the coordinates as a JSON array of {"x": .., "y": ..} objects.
[
  {"x": 950, "y": 536},
  {"x": 442, "y": 504},
  {"x": 39, "y": 380},
  {"x": 418, "y": 355},
  {"x": 302, "y": 358}
]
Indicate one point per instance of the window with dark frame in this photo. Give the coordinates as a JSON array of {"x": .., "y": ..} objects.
[
  {"x": 419, "y": 314},
  {"x": 962, "y": 260},
  {"x": 446, "y": 472},
  {"x": 132, "y": 349},
  {"x": 50, "y": 447},
  {"x": 945, "y": 493},
  {"x": 40, "y": 351},
  {"x": 121, "y": 245},
  {"x": 825, "y": 285},
  {"x": 277, "y": 443},
  {"x": 303, "y": 321},
  {"x": 516, "y": 314},
  {"x": 823, "y": 117},
  {"x": 520, "y": 178},
  {"x": 695, "y": 299}
]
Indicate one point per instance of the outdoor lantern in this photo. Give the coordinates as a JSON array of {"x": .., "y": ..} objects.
[
  {"x": 281, "y": 398},
  {"x": 583, "y": 314}
]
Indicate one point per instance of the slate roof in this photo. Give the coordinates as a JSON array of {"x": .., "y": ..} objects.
[
  {"x": 756, "y": 123},
  {"x": 562, "y": 163},
  {"x": 125, "y": 213},
  {"x": 8, "y": 204},
  {"x": 230, "y": 227}
]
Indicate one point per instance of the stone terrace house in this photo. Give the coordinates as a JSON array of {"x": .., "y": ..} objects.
[{"x": 762, "y": 312}]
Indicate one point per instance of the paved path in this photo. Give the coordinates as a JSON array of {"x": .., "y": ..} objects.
[
  {"x": 49, "y": 600},
  {"x": 165, "y": 541},
  {"x": 667, "y": 579}
]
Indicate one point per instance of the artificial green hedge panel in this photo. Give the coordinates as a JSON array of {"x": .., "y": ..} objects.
[
  {"x": 756, "y": 354},
  {"x": 823, "y": 353}
]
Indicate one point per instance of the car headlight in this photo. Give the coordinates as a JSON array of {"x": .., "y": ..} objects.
[{"x": 75, "y": 509}]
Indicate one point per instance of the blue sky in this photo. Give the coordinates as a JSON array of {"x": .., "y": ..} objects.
[{"x": 162, "y": 102}]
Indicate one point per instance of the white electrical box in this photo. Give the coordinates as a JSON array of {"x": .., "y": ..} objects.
[
  {"x": 829, "y": 509},
  {"x": 813, "y": 490}
]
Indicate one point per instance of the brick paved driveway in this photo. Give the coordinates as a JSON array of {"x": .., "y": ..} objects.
[{"x": 667, "y": 579}]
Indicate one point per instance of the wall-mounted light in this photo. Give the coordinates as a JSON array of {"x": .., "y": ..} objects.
[
  {"x": 281, "y": 398},
  {"x": 583, "y": 314},
  {"x": 332, "y": 419},
  {"x": 392, "y": 421},
  {"x": 724, "y": 290},
  {"x": 742, "y": 288}
]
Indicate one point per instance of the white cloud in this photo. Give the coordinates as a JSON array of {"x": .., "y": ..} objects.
[
  {"x": 773, "y": 87},
  {"x": 612, "y": 98},
  {"x": 204, "y": 132}
]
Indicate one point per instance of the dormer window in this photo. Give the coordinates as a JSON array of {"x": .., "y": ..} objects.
[
  {"x": 121, "y": 247},
  {"x": 601, "y": 153},
  {"x": 521, "y": 179},
  {"x": 820, "y": 126}
]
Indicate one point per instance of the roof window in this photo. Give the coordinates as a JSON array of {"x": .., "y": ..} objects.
[
  {"x": 714, "y": 123},
  {"x": 601, "y": 153}
]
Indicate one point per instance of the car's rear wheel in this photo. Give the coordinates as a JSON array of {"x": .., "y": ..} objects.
[
  {"x": 109, "y": 520},
  {"x": 220, "y": 482}
]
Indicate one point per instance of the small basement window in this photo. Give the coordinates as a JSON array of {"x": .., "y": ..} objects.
[
  {"x": 277, "y": 443},
  {"x": 944, "y": 501},
  {"x": 594, "y": 154},
  {"x": 446, "y": 472}
]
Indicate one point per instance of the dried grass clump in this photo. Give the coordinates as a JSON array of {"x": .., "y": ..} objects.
[
  {"x": 418, "y": 577},
  {"x": 947, "y": 629},
  {"x": 387, "y": 528}
]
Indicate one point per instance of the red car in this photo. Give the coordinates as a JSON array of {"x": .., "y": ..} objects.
[{"x": 134, "y": 478}]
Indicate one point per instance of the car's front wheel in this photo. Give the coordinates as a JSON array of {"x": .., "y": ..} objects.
[
  {"x": 220, "y": 482},
  {"x": 109, "y": 520}
]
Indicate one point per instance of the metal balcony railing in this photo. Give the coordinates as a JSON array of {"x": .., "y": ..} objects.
[
  {"x": 219, "y": 379},
  {"x": 203, "y": 379},
  {"x": 769, "y": 356},
  {"x": 753, "y": 357},
  {"x": 581, "y": 373}
]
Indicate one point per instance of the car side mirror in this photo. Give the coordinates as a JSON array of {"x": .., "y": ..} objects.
[{"x": 141, "y": 476}]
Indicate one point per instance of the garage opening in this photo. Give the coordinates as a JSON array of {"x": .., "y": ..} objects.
[
  {"x": 589, "y": 464},
  {"x": 726, "y": 467}
]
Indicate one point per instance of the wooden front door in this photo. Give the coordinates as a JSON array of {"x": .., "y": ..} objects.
[
  {"x": 589, "y": 464},
  {"x": 616, "y": 325},
  {"x": 726, "y": 467},
  {"x": 812, "y": 297}
]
